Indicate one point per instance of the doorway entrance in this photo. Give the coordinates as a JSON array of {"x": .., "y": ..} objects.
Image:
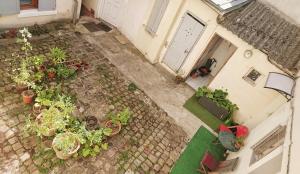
[
  {"x": 185, "y": 38},
  {"x": 110, "y": 11},
  {"x": 215, "y": 56}
]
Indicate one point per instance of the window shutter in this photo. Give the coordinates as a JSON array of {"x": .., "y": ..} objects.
[
  {"x": 9, "y": 7},
  {"x": 157, "y": 14},
  {"x": 47, "y": 5}
]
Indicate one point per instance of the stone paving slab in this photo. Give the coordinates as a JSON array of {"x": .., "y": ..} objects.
[{"x": 151, "y": 143}]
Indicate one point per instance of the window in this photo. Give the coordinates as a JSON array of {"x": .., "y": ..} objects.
[
  {"x": 252, "y": 76},
  {"x": 28, "y": 4},
  {"x": 268, "y": 144},
  {"x": 156, "y": 16}
]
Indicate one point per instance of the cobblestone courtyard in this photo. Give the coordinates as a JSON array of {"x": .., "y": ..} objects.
[{"x": 151, "y": 143}]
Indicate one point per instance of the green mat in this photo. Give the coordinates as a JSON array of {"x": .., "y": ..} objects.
[
  {"x": 189, "y": 161},
  {"x": 194, "y": 107}
]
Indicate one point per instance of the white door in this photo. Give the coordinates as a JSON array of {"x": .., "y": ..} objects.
[
  {"x": 111, "y": 11},
  {"x": 185, "y": 38}
]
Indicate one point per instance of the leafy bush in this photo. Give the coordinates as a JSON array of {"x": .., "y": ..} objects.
[
  {"x": 123, "y": 117},
  {"x": 92, "y": 141},
  {"x": 65, "y": 142},
  {"x": 57, "y": 55},
  {"x": 219, "y": 97},
  {"x": 63, "y": 72}
]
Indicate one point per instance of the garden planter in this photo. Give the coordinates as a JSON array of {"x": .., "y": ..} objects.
[
  {"x": 27, "y": 96},
  {"x": 61, "y": 154},
  {"x": 51, "y": 75},
  {"x": 50, "y": 132},
  {"x": 91, "y": 122},
  {"x": 219, "y": 112},
  {"x": 115, "y": 127}
]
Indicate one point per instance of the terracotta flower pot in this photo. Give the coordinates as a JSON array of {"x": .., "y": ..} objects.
[
  {"x": 62, "y": 155},
  {"x": 51, "y": 75},
  {"x": 115, "y": 127},
  {"x": 27, "y": 96},
  {"x": 51, "y": 132}
]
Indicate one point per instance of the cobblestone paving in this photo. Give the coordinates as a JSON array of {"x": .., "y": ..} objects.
[{"x": 151, "y": 143}]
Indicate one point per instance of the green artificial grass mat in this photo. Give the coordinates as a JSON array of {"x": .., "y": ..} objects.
[
  {"x": 194, "y": 107},
  {"x": 189, "y": 161}
]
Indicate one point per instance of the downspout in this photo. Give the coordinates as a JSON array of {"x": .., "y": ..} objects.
[
  {"x": 292, "y": 126},
  {"x": 170, "y": 29},
  {"x": 75, "y": 9}
]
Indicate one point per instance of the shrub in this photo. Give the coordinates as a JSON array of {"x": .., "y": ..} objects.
[{"x": 219, "y": 97}]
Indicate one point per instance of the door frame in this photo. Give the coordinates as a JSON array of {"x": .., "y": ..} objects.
[
  {"x": 202, "y": 53},
  {"x": 99, "y": 10},
  {"x": 176, "y": 32}
]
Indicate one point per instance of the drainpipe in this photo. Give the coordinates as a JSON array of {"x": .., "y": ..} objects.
[
  {"x": 293, "y": 159},
  {"x": 170, "y": 29},
  {"x": 75, "y": 9}
]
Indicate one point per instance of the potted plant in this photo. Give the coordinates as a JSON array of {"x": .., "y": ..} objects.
[
  {"x": 65, "y": 145},
  {"x": 24, "y": 81},
  {"x": 51, "y": 73},
  {"x": 116, "y": 121},
  {"x": 27, "y": 96},
  {"x": 49, "y": 121}
]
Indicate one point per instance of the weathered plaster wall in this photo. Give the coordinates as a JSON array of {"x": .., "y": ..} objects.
[{"x": 64, "y": 10}]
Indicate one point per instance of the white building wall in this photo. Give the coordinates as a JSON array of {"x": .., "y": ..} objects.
[
  {"x": 280, "y": 117},
  {"x": 294, "y": 161},
  {"x": 64, "y": 10},
  {"x": 90, "y": 4},
  {"x": 255, "y": 102}
]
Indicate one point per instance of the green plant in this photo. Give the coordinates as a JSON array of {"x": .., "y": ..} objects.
[
  {"x": 25, "y": 36},
  {"x": 92, "y": 141},
  {"x": 219, "y": 97},
  {"x": 46, "y": 96},
  {"x": 24, "y": 75},
  {"x": 38, "y": 76},
  {"x": 123, "y": 117},
  {"x": 132, "y": 87},
  {"x": 37, "y": 60},
  {"x": 63, "y": 72},
  {"x": 57, "y": 55},
  {"x": 64, "y": 103},
  {"x": 65, "y": 142},
  {"x": 51, "y": 70},
  {"x": 52, "y": 118}
]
